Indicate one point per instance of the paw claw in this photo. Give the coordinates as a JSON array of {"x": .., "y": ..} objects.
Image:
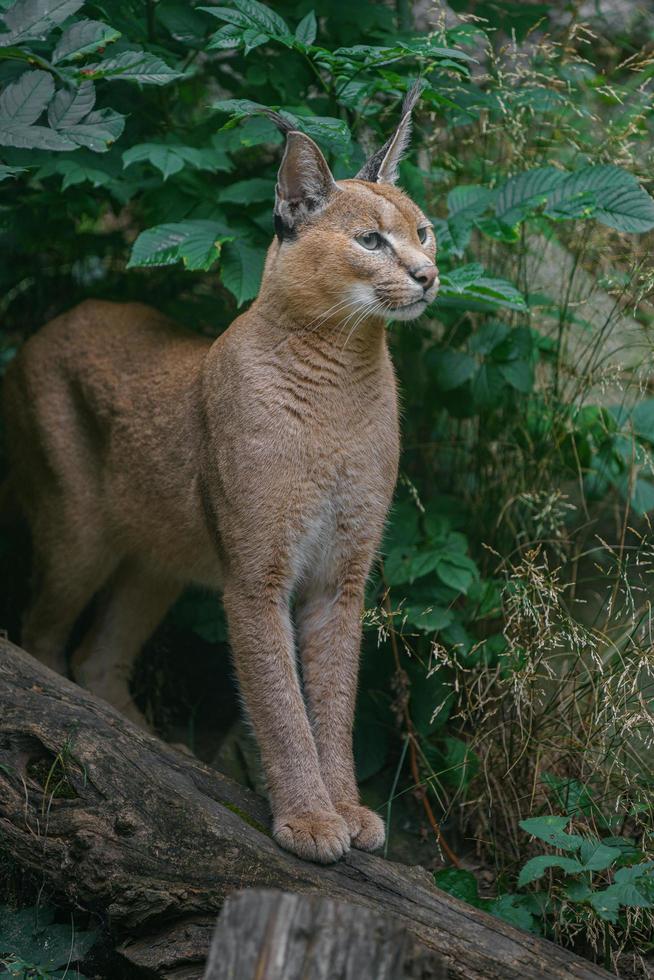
[
  {"x": 367, "y": 831},
  {"x": 317, "y": 835}
]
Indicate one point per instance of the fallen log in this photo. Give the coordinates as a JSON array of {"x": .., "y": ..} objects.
[
  {"x": 126, "y": 825},
  {"x": 271, "y": 935}
]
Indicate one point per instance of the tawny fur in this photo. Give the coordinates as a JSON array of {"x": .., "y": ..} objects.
[{"x": 261, "y": 464}]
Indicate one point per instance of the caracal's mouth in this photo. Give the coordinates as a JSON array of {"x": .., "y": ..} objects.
[{"x": 409, "y": 311}]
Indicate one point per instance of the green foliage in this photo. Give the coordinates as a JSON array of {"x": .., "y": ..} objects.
[
  {"x": 33, "y": 945},
  {"x": 583, "y": 890}
]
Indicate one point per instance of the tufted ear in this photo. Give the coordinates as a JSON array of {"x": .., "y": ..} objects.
[
  {"x": 304, "y": 184},
  {"x": 382, "y": 167}
]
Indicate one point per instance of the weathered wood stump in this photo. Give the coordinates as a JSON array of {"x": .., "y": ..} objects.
[
  {"x": 272, "y": 935},
  {"x": 126, "y": 825}
]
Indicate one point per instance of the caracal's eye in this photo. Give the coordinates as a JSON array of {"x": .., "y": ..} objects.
[
  {"x": 422, "y": 234},
  {"x": 370, "y": 240}
]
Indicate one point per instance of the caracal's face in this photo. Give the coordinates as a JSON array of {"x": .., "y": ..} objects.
[{"x": 370, "y": 251}]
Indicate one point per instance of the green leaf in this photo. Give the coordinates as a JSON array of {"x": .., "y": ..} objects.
[
  {"x": 241, "y": 270},
  {"x": 551, "y": 829},
  {"x": 70, "y": 105},
  {"x": 23, "y": 101},
  {"x": 196, "y": 243},
  {"x": 472, "y": 282},
  {"x": 248, "y": 191},
  {"x": 642, "y": 419},
  {"x": 620, "y": 201},
  {"x": 35, "y": 18},
  {"x": 608, "y": 901},
  {"x": 452, "y": 368},
  {"x": 519, "y": 374},
  {"x": 74, "y": 172},
  {"x": 33, "y": 937},
  {"x": 597, "y": 856},
  {"x": 170, "y": 158},
  {"x": 526, "y": 191},
  {"x": 97, "y": 131},
  {"x": 537, "y": 866},
  {"x": 306, "y": 30},
  {"x": 471, "y": 198},
  {"x": 460, "y": 883},
  {"x": 642, "y": 495},
  {"x": 6, "y": 172},
  {"x": 263, "y": 17},
  {"x": 83, "y": 37},
  {"x": 511, "y": 909},
  {"x": 488, "y": 387},
  {"x": 253, "y": 16},
  {"x": 489, "y": 336},
  {"x": 333, "y": 133},
  {"x": 132, "y": 66},
  {"x": 429, "y": 619},
  {"x": 606, "y": 192},
  {"x": 457, "y": 571},
  {"x": 33, "y": 137}
]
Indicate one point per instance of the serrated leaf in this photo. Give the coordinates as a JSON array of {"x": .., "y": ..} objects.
[
  {"x": 263, "y": 17},
  {"x": 537, "y": 866},
  {"x": 471, "y": 198},
  {"x": 252, "y": 39},
  {"x": 333, "y": 133},
  {"x": 241, "y": 270},
  {"x": 36, "y": 18},
  {"x": 196, "y": 243},
  {"x": 83, "y": 37},
  {"x": 70, "y": 105},
  {"x": 620, "y": 201},
  {"x": 132, "y": 66},
  {"x": 33, "y": 137},
  {"x": 525, "y": 191},
  {"x": 307, "y": 29},
  {"x": 23, "y": 101},
  {"x": 97, "y": 131}
]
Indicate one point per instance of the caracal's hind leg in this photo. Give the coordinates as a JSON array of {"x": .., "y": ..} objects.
[
  {"x": 71, "y": 565},
  {"x": 134, "y": 603}
]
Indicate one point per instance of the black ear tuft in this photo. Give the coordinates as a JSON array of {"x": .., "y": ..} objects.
[{"x": 382, "y": 167}]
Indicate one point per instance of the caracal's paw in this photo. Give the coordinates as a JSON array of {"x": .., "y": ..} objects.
[
  {"x": 367, "y": 831},
  {"x": 317, "y": 835}
]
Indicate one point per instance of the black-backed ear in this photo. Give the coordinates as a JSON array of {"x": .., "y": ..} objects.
[
  {"x": 383, "y": 166},
  {"x": 304, "y": 184}
]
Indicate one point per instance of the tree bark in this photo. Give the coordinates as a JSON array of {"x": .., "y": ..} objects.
[
  {"x": 272, "y": 935},
  {"x": 124, "y": 824}
]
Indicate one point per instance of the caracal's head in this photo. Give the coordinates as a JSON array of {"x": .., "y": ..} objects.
[{"x": 350, "y": 248}]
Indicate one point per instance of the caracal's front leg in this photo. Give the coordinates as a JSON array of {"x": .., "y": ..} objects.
[
  {"x": 329, "y": 637},
  {"x": 304, "y": 819}
]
